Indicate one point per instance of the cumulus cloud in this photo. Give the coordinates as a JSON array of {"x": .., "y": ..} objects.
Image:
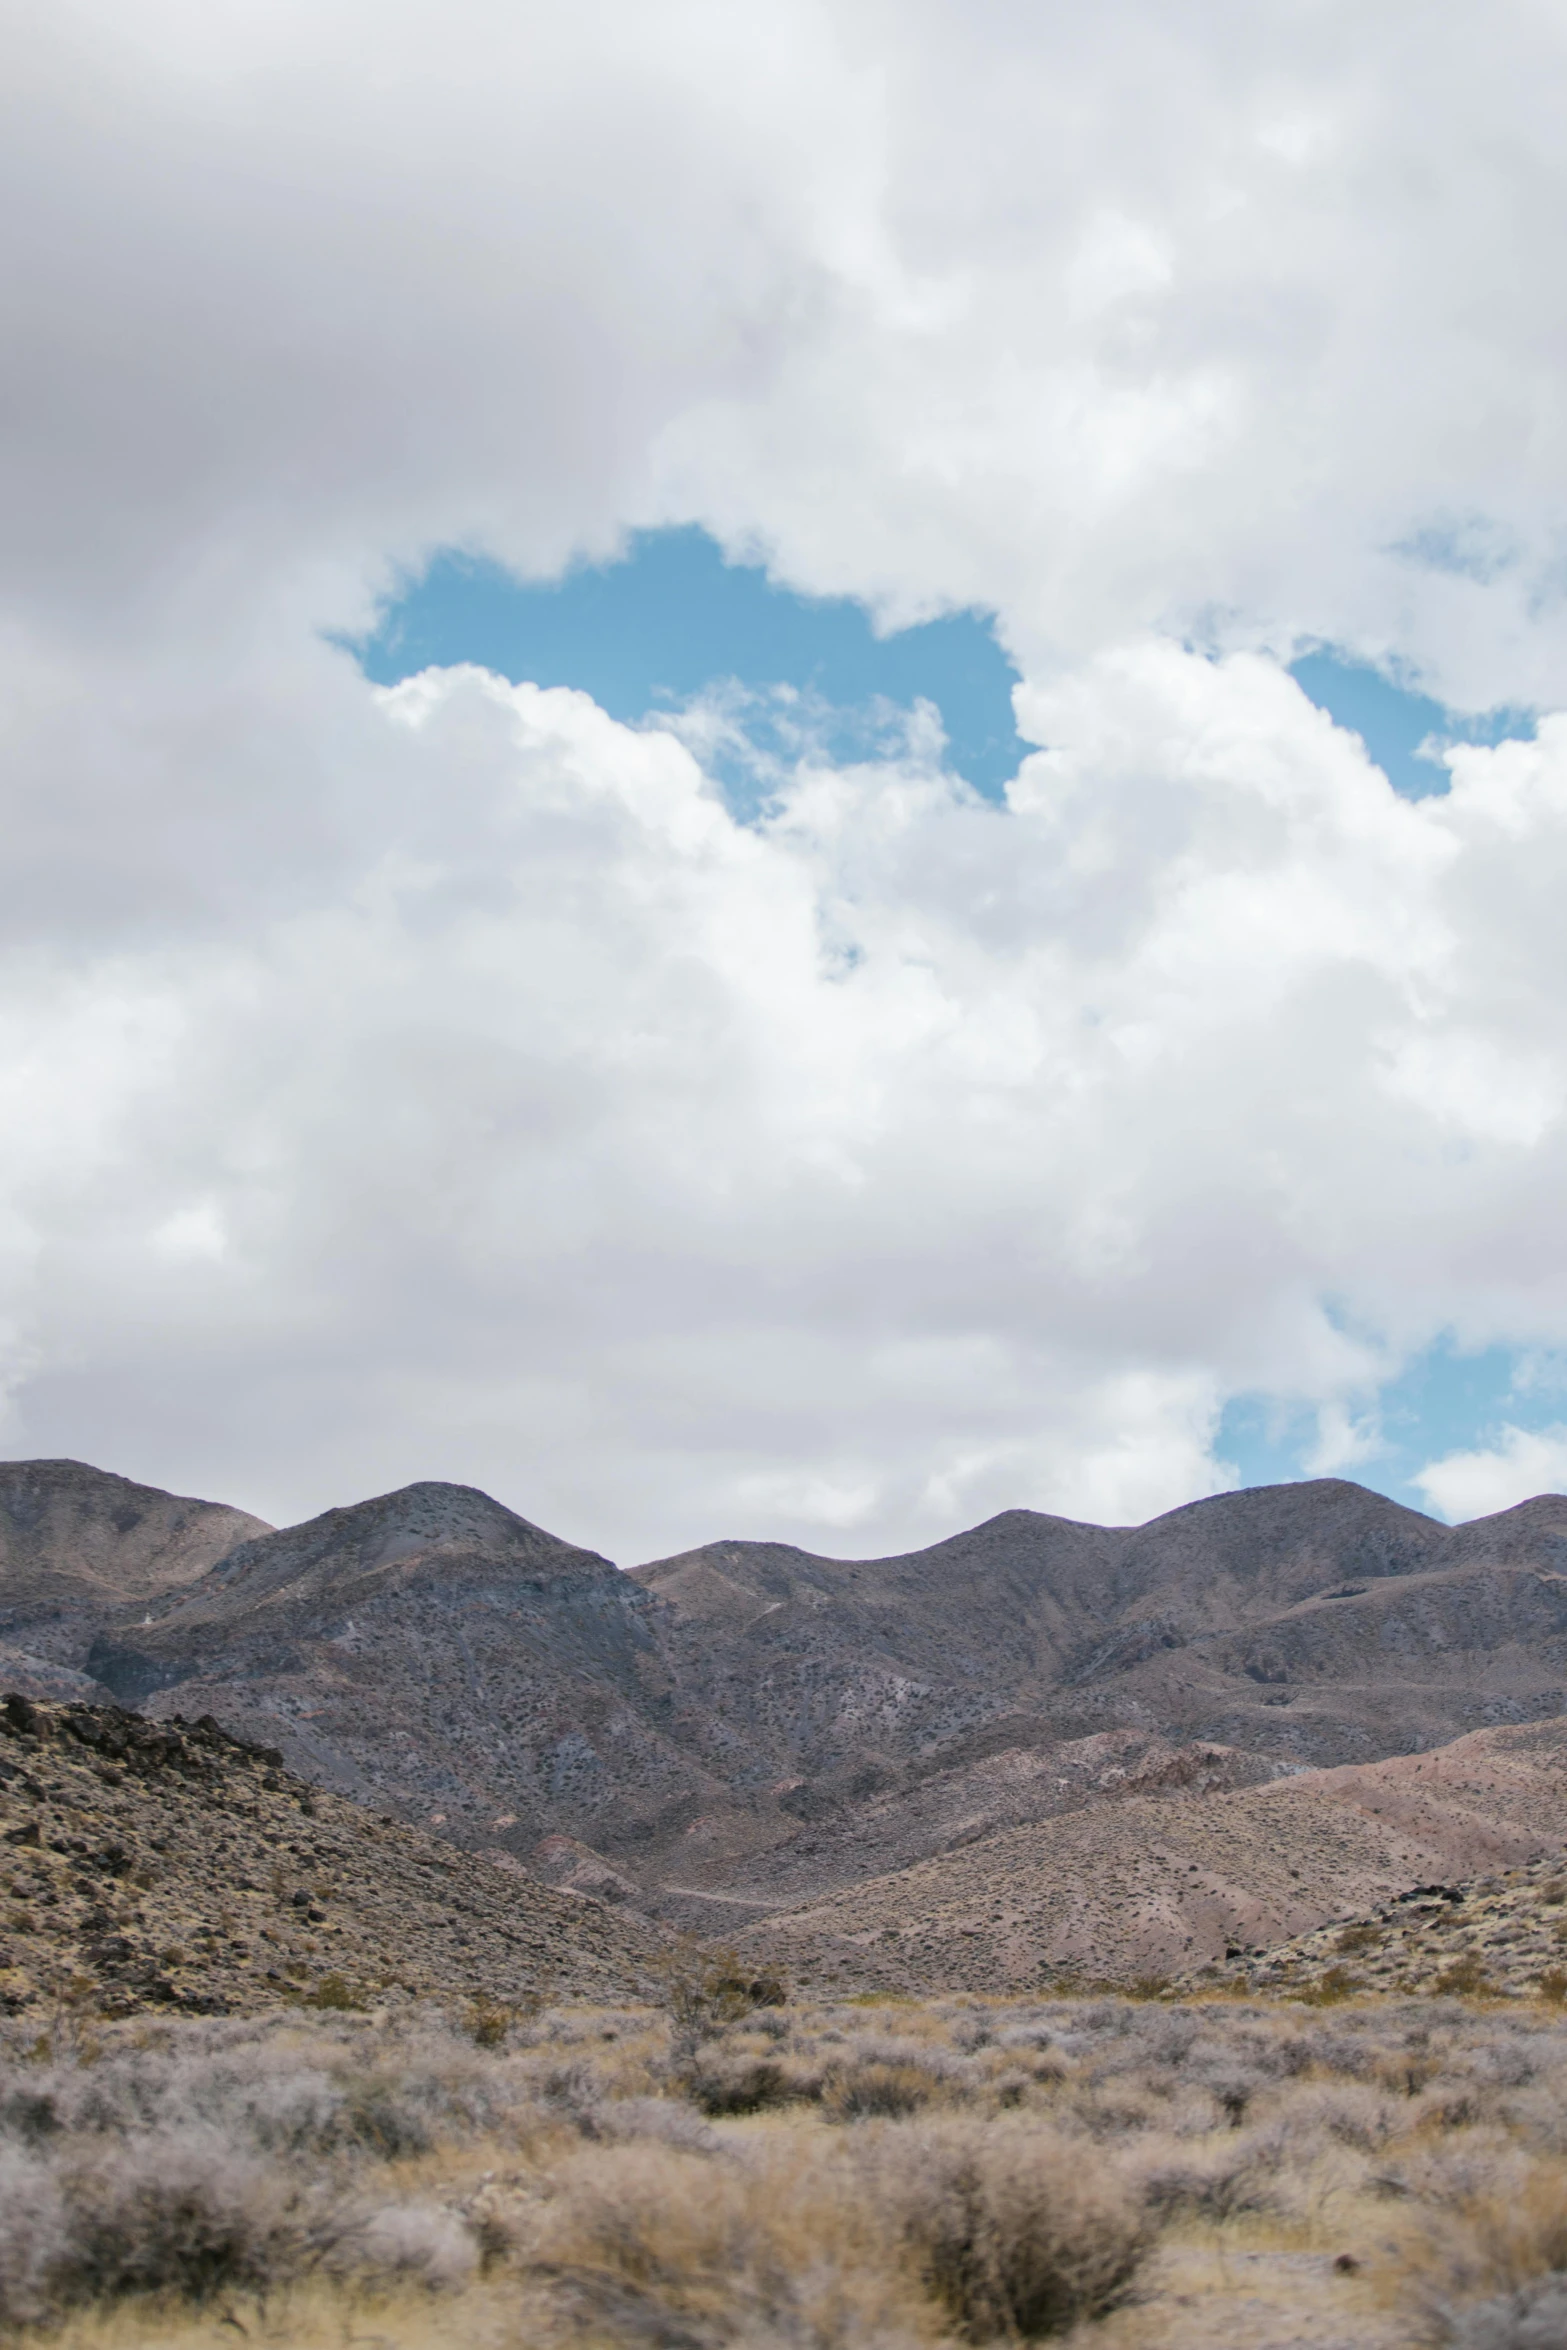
[
  {"x": 1227, "y": 318},
  {"x": 446, "y": 1082},
  {"x": 1521, "y": 1463},
  {"x": 853, "y": 1173}
]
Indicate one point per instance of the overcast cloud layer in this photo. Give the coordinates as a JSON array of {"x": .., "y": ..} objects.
[{"x": 442, "y": 1082}]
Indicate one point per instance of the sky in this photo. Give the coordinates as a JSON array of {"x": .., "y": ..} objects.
[{"x": 786, "y": 772}]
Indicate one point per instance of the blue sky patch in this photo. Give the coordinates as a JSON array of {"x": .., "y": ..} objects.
[
  {"x": 1444, "y": 1401},
  {"x": 1393, "y": 721},
  {"x": 672, "y": 620}
]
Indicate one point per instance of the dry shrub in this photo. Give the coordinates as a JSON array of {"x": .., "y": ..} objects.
[
  {"x": 702, "y": 1990},
  {"x": 184, "y": 2217},
  {"x": 1463, "y": 1978},
  {"x": 1019, "y": 2233},
  {"x": 649, "y": 2244},
  {"x": 1534, "y": 2318},
  {"x": 878, "y": 2091},
  {"x": 412, "y": 2240},
  {"x": 487, "y": 2021},
  {"x": 1336, "y": 1984},
  {"x": 726, "y": 2082},
  {"x": 1207, "y": 2181},
  {"x": 32, "y": 2236},
  {"x": 665, "y": 2121},
  {"x": 1487, "y": 2264},
  {"x": 1348, "y": 2113},
  {"x": 290, "y": 2088},
  {"x": 334, "y": 1994}
]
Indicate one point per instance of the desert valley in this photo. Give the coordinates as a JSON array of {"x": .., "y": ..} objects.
[{"x": 749, "y": 1860}]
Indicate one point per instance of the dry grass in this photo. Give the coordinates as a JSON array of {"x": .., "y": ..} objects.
[{"x": 822, "y": 2175}]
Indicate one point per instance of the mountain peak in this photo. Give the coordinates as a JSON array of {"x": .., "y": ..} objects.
[{"x": 72, "y": 1536}]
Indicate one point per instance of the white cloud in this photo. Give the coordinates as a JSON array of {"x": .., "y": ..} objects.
[
  {"x": 891, "y": 1162},
  {"x": 446, "y": 1083},
  {"x": 1522, "y": 1463}
]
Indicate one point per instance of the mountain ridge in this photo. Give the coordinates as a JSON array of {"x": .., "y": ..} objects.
[{"x": 748, "y": 1717}]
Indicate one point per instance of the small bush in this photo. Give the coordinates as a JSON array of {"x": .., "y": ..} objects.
[
  {"x": 1210, "y": 2184},
  {"x": 32, "y": 2236},
  {"x": 488, "y": 2023},
  {"x": 704, "y": 1990},
  {"x": 1330, "y": 1988},
  {"x": 1020, "y": 2235},
  {"x": 1464, "y": 1977},
  {"x": 883, "y": 2092},
  {"x": 1534, "y": 2318},
  {"x": 177, "y": 2216},
  {"x": 652, "y": 2245},
  {"x": 335, "y": 1995},
  {"x": 416, "y": 2240},
  {"x": 1493, "y": 2267},
  {"x": 742, "y": 2085}
]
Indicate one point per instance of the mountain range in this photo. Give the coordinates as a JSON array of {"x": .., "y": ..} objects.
[{"x": 749, "y": 1737}]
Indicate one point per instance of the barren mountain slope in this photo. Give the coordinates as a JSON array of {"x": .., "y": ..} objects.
[
  {"x": 432, "y": 1650},
  {"x": 749, "y": 1720},
  {"x": 80, "y": 1549},
  {"x": 912, "y": 1703},
  {"x": 153, "y": 1865},
  {"x": 940, "y": 1811},
  {"x": 1317, "y": 1622},
  {"x": 1159, "y": 1884}
]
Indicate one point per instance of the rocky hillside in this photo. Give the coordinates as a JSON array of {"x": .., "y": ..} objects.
[
  {"x": 433, "y": 1652},
  {"x": 1497, "y": 1937},
  {"x": 1318, "y": 1622},
  {"x": 80, "y": 1548},
  {"x": 748, "y": 1724},
  {"x": 1161, "y": 1884},
  {"x": 168, "y": 1866}
]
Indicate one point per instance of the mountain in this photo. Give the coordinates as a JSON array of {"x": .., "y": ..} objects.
[
  {"x": 432, "y": 1650},
  {"x": 77, "y": 1540},
  {"x": 78, "y": 1548},
  {"x": 749, "y": 1725},
  {"x": 1164, "y": 1884},
  {"x": 898, "y": 1705}
]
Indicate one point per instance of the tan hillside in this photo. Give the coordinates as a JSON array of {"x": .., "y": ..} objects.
[
  {"x": 77, "y": 1544},
  {"x": 1498, "y": 1937},
  {"x": 163, "y": 1866},
  {"x": 1159, "y": 1885}
]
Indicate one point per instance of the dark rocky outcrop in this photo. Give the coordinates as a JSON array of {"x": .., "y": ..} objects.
[{"x": 170, "y": 1866}]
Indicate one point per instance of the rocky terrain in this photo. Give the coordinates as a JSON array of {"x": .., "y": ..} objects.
[
  {"x": 166, "y": 1867},
  {"x": 1316, "y": 1622},
  {"x": 1155, "y": 1886},
  {"x": 1498, "y": 1937},
  {"x": 747, "y": 1730},
  {"x": 78, "y": 1548}
]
